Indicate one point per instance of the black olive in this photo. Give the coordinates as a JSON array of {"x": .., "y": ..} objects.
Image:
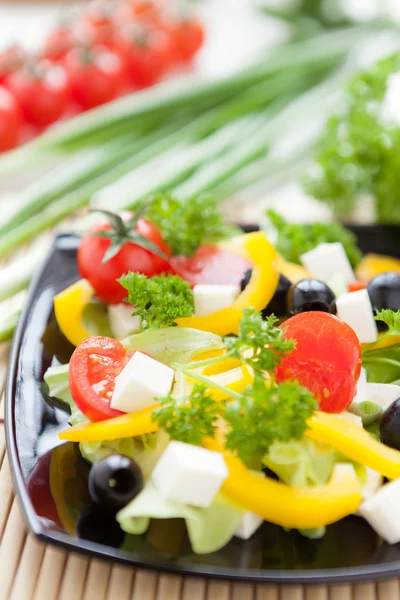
[
  {"x": 278, "y": 303},
  {"x": 115, "y": 481},
  {"x": 384, "y": 292},
  {"x": 97, "y": 524},
  {"x": 390, "y": 425},
  {"x": 245, "y": 279},
  {"x": 311, "y": 294}
]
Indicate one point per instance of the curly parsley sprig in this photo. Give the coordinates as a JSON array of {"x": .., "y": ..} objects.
[{"x": 158, "y": 300}]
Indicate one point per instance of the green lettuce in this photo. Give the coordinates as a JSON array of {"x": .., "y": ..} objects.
[
  {"x": 173, "y": 344},
  {"x": 209, "y": 529},
  {"x": 57, "y": 381}
]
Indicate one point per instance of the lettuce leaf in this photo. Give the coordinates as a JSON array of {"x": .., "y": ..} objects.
[
  {"x": 209, "y": 529},
  {"x": 57, "y": 381},
  {"x": 173, "y": 344}
]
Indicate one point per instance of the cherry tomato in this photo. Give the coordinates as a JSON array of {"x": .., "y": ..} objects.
[
  {"x": 58, "y": 43},
  {"x": 211, "y": 264},
  {"x": 96, "y": 75},
  {"x": 189, "y": 37},
  {"x": 42, "y": 92},
  {"x": 92, "y": 371},
  {"x": 355, "y": 286},
  {"x": 97, "y": 24},
  {"x": 10, "y": 120},
  {"x": 11, "y": 60},
  {"x": 326, "y": 360},
  {"x": 131, "y": 257},
  {"x": 145, "y": 54}
]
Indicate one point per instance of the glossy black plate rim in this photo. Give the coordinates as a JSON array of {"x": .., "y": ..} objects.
[{"x": 309, "y": 576}]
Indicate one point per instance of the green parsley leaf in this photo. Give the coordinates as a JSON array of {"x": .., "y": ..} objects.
[
  {"x": 295, "y": 239},
  {"x": 359, "y": 153},
  {"x": 391, "y": 319},
  {"x": 259, "y": 343},
  {"x": 265, "y": 415},
  {"x": 158, "y": 300},
  {"x": 188, "y": 419},
  {"x": 187, "y": 224}
]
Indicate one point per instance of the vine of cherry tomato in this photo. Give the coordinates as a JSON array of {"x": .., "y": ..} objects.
[{"x": 112, "y": 48}]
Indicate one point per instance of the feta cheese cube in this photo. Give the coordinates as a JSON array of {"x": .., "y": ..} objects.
[
  {"x": 383, "y": 394},
  {"x": 382, "y": 511},
  {"x": 356, "y": 310},
  {"x": 248, "y": 525},
  {"x": 327, "y": 260},
  {"x": 209, "y": 298},
  {"x": 361, "y": 394},
  {"x": 189, "y": 474},
  {"x": 141, "y": 381},
  {"x": 374, "y": 481},
  {"x": 122, "y": 322}
]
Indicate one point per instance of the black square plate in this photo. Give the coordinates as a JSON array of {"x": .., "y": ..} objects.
[{"x": 51, "y": 479}]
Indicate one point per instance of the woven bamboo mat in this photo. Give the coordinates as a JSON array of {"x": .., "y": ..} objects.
[{"x": 29, "y": 570}]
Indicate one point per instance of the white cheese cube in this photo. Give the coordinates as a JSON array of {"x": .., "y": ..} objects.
[
  {"x": 122, "y": 322},
  {"x": 327, "y": 260},
  {"x": 141, "y": 381},
  {"x": 361, "y": 394},
  {"x": 382, "y": 511},
  {"x": 189, "y": 474},
  {"x": 209, "y": 298},
  {"x": 383, "y": 394},
  {"x": 356, "y": 310},
  {"x": 372, "y": 484},
  {"x": 248, "y": 525}
]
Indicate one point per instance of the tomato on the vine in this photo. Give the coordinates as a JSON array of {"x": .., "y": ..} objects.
[
  {"x": 96, "y": 75},
  {"x": 188, "y": 37},
  {"x": 131, "y": 256},
  {"x": 11, "y": 59},
  {"x": 42, "y": 92},
  {"x": 326, "y": 360},
  {"x": 58, "y": 43},
  {"x": 93, "y": 367},
  {"x": 10, "y": 120}
]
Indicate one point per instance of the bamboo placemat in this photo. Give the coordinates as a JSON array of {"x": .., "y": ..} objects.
[{"x": 30, "y": 570}]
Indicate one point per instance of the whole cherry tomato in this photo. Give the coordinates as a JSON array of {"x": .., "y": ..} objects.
[
  {"x": 42, "y": 92},
  {"x": 58, "y": 43},
  {"x": 11, "y": 59},
  {"x": 326, "y": 360},
  {"x": 131, "y": 257},
  {"x": 96, "y": 75},
  {"x": 97, "y": 24},
  {"x": 92, "y": 371},
  {"x": 10, "y": 120},
  {"x": 189, "y": 37}
]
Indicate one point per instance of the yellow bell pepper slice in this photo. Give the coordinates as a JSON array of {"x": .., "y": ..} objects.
[
  {"x": 374, "y": 264},
  {"x": 278, "y": 503},
  {"x": 257, "y": 294},
  {"x": 68, "y": 308},
  {"x": 355, "y": 442}
]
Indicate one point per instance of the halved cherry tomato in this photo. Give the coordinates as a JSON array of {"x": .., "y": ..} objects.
[
  {"x": 42, "y": 91},
  {"x": 211, "y": 264},
  {"x": 103, "y": 276},
  {"x": 355, "y": 286},
  {"x": 326, "y": 360},
  {"x": 96, "y": 74},
  {"x": 92, "y": 371},
  {"x": 10, "y": 120}
]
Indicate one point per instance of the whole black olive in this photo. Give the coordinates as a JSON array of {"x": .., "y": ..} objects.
[
  {"x": 115, "y": 481},
  {"x": 278, "y": 303},
  {"x": 384, "y": 292},
  {"x": 245, "y": 279},
  {"x": 311, "y": 294},
  {"x": 390, "y": 425}
]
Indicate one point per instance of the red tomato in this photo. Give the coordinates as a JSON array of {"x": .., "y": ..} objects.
[
  {"x": 189, "y": 38},
  {"x": 96, "y": 75},
  {"x": 355, "y": 286},
  {"x": 42, "y": 91},
  {"x": 10, "y": 120},
  {"x": 131, "y": 257},
  {"x": 326, "y": 360},
  {"x": 97, "y": 25},
  {"x": 11, "y": 60},
  {"x": 92, "y": 371},
  {"x": 210, "y": 264},
  {"x": 58, "y": 43},
  {"x": 145, "y": 54}
]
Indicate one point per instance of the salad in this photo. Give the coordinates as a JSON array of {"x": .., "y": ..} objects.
[{"x": 226, "y": 380}]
